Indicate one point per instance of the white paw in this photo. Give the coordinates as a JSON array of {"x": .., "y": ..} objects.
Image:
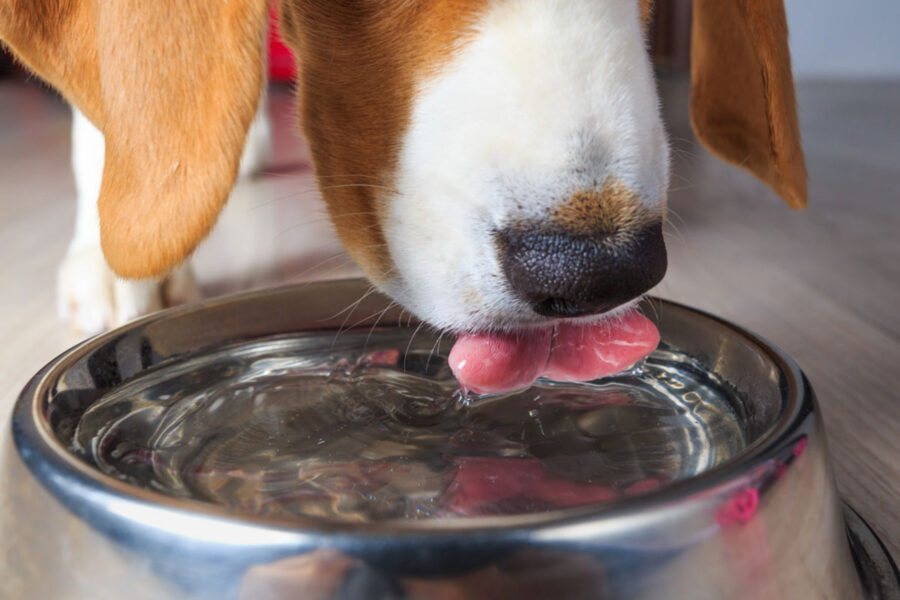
[
  {"x": 84, "y": 294},
  {"x": 180, "y": 286},
  {"x": 135, "y": 298},
  {"x": 90, "y": 298}
]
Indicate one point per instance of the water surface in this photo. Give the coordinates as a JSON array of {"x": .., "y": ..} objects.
[{"x": 369, "y": 427}]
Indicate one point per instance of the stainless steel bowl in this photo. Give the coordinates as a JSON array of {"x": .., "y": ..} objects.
[{"x": 766, "y": 523}]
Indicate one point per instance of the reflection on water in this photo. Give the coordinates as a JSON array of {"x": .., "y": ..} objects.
[{"x": 303, "y": 426}]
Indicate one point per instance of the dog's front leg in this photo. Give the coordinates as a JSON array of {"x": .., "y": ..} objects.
[{"x": 89, "y": 295}]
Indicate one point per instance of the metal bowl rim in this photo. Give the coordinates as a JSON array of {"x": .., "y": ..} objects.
[{"x": 47, "y": 458}]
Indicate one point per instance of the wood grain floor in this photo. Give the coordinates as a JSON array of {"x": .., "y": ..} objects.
[{"x": 823, "y": 284}]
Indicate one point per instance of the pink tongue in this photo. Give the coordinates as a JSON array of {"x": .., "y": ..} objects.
[
  {"x": 501, "y": 362},
  {"x": 497, "y": 362}
]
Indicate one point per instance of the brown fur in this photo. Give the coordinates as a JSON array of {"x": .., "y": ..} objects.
[
  {"x": 56, "y": 40},
  {"x": 361, "y": 65},
  {"x": 173, "y": 85},
  {"x": 742, "y": 99},
  {"x": 613, "y": 209},
  {"x": 646, "y": 8}
]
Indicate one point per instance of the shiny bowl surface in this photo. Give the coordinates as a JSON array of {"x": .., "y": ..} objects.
[{"x": 766, "y": 523}]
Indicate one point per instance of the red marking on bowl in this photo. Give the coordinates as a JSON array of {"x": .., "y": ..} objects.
[{"x": 740, "y": 508}]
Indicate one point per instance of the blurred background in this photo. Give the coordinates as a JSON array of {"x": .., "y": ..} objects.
[{"x": 823, "y": 284}]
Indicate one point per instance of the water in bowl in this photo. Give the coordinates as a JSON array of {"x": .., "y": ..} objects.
[{"x": 371, "y": 426}]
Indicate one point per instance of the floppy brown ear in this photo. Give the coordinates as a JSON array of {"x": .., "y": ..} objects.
[
  {"x": 173, "y": 85},
  {"x": 742, "y": 91}
]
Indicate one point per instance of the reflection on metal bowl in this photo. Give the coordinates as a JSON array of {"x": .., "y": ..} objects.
[{"x": 257, "y": 447}]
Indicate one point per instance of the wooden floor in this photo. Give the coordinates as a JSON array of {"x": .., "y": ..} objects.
[{"x": 823, "y": 284}]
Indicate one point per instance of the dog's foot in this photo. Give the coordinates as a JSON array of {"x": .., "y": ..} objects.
[
  {"x": 90, "y": 298},
  {"x": 180, "y": 286}
]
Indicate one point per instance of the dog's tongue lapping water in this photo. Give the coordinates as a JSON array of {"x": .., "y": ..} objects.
[{"x": 501, "y": 362}]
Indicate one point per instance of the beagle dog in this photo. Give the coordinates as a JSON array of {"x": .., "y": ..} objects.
[{"x": 499, "y": 167}]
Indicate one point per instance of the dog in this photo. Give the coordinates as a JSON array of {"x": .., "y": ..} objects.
[
  {"x": 499, "y": 167},
  {"x": 496, "y": 166}
]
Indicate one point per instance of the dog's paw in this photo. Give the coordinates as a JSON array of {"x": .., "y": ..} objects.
[
  {"x": 180, "y": 286},
  {"x": 91, "y": 299}
]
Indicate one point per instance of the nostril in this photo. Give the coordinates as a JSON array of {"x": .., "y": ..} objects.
[{"x": 566, "y": 275}]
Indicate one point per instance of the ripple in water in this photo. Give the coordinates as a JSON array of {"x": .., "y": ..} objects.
[{"x": 301, "y": 427}]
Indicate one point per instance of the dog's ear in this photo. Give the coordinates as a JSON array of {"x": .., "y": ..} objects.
[
  {"x": 742, "y": 98},
  {"x": 173, "y": 85}
]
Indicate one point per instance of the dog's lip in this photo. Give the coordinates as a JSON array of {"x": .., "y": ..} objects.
[
  {"x": 526, "y": 320},
  {"x": 565, "y": 350}
]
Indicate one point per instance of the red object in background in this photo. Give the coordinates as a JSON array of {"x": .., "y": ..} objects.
[{"x": 282, "y": 66}]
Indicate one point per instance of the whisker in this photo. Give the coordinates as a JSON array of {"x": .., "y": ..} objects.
[
  {"x": 434, "y": 347},
  {"x": 293, "y": 194},
  {"x": 375, "y": 324},
  {"x": 682, "y": 145},
  {"x": 651, "y": 302},
  {"x": 331, "y": 220},
  {"x": 351, "y": 308},
  {"x": 308, "y": 270},
  {"x": 673, "y": 230},
  {"x": 683, "y": 153},
  {"x": 409, "y": 344},
  {"x": 684, "y": 179},
  {"x": 674, "y": 227},
  {"x": 674, "y": 213},
  {"x": 282, "y": 197},
  {"x": 364, "y": 319}
]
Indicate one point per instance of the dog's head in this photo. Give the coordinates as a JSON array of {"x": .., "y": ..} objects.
[{"x": 490, "y": 163}]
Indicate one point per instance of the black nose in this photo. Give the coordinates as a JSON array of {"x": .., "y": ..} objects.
[{"x": 566, "y": 275}]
